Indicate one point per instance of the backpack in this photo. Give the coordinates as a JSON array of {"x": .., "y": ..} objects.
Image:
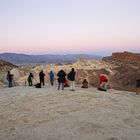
[
  {"x": 38, "y": 85},
  {"x": 69, "y": 76}
]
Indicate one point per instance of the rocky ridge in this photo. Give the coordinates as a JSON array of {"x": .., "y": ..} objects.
[
  {"x": 126, "y": 70},
  {"x": 122, "y": 69}
]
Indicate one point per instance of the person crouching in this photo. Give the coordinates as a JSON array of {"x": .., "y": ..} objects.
[
  {"x": 85, "y": 84},
  {"x": 103, "y": 82}
]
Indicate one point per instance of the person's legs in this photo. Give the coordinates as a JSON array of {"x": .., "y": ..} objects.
[
  {"x": 40, "y": 81},
  {"x": 10, "y": 83},
  {"x": 31, "y": 83},
  {"x": 13, "y": 82},
  {"x": 105, "y": 85},
  {"x": 43, "y": 82},
  {"x": 137, "y": 90},
  {"x": 102, "y": 84},
  {"x": 52, "y": 82},
  {"x": 137, "y": 86},
  {"x": 72, "y": 85},
  {"x": 62, "y": 86},
  {"x": 59, "y": 85}
]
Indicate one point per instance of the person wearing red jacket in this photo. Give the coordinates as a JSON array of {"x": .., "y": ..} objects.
[
  {"x": 103, "y": 78},
  {"x": 103, "y": 82}
]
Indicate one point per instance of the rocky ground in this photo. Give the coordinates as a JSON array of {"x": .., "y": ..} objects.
[{"x": 27, "y": 113}]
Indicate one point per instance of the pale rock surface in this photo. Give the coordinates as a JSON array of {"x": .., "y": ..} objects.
[{"x": 27, "y": 113}]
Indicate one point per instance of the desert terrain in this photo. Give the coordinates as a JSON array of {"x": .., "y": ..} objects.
[{"x": 27, "y": 113}]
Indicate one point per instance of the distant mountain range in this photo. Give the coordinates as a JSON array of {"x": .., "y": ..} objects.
[{"x": 21, "y": 59}]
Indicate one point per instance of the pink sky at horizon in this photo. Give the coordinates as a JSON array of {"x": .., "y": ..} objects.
[
  {"x": 69, "y": 44},
  {"x": 76, "y": 26}
]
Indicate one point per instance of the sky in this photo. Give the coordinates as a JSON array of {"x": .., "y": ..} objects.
[{"x": 69, "y": 26}]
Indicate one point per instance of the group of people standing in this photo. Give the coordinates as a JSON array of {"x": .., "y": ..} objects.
[
  {"x": 41, "y": 79},
  {"x": 62, "y": 79}
]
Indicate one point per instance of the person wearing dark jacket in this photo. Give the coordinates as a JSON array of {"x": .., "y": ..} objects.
[
  {"x": 61, "y": 78},
  {"x": 71, "y": 77},
  {"x": 30, "y": 79},
  {"x": 41, "y": 77},
  {"x": 137, "y": 86},
  {"x": 85, "y": 84},
  {"x": 9, "y": 79}
]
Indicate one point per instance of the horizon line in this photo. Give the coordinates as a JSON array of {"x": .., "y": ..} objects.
[{"x": 96, "y": 53}]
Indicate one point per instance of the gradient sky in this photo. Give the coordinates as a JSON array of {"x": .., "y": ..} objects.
[{"x": 69, "y": 26}]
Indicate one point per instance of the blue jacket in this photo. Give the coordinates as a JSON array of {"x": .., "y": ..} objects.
[{"x": 51, "y": 74}]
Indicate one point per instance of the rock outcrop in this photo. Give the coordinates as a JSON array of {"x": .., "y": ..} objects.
[
  {"x": 4, "y": 65},
  {"x": 123, "y": 57},
  {"x": 126, "y": 70}
]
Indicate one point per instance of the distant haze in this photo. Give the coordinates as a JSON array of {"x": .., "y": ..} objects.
[
  {"x": 22, "y": 59},
  {"x": 69, "y": 26}
]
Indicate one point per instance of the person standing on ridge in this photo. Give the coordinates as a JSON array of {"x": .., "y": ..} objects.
[
  {"x": 30, "y": 79},
  {"x": 61, "y": 78},
  {"x": 51, "y": 75},
  {"x": 71, "y": 77},
  {"x": 9, "y": 79},
  {"x": 42, "y": 77}
]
